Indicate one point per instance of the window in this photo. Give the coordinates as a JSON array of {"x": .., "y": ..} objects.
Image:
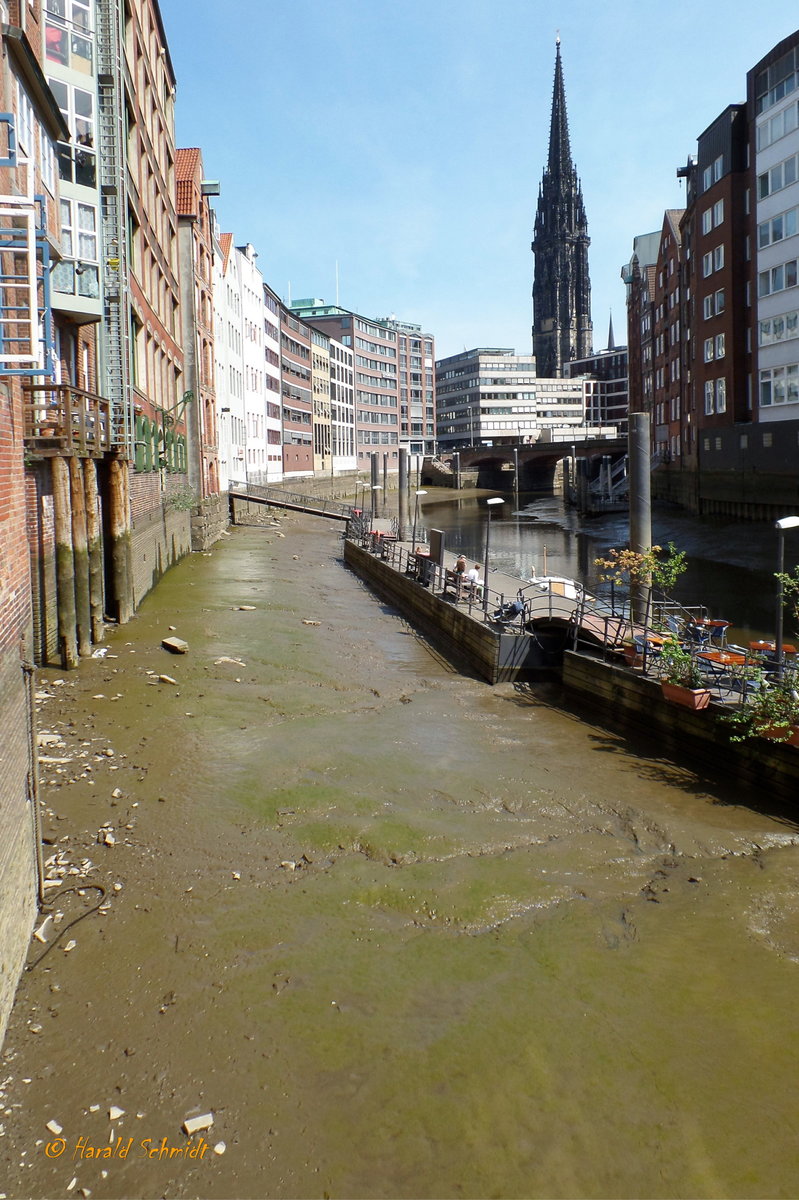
[
  {"x": 76, "y": 160},
  {"x": 784, "y": 225},
  {"x": 718, "y": 213},
  {"x": 709, "y": 391},
  {"x": 707, "y": 220},
  {"x": 709, "y": 349},
  {"x": 778, "y": 329},
  {"x": 707, "y": 307},
  {"x": 26, "y": 122},
  {"x": 707, "y": 264},
  {"x": 778, "y": 278},
  {"x": 779, "y": 385},
  {"x": 68, "y": 34},
  {"x": 719, "y": 299},
  {"x": 718, "y": 258},
  {"x": 77, "y": 271},
  {"x": 721, "y": 395},
  {"x": 719, "y": 345},
  {"x": 780, "y": 176}
]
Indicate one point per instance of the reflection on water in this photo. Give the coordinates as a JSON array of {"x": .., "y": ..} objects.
[{"x": 731, "y": 564}]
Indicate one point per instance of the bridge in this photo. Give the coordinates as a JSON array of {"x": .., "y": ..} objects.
[
  {"x": 494, "y": 466},
  {"x": 276, "y": 497}
]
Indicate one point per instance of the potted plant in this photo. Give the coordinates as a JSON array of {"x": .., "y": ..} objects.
[
  {"x": 772, "y": 712},
  {"x": 680, "y": 678}
]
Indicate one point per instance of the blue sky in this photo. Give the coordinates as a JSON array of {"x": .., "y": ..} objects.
[{"x": 401, "y": 143}]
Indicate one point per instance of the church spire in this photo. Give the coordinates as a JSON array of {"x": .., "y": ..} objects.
[
  {"x": 560, "y": 155},
  {"x": 562, "y": 328}
]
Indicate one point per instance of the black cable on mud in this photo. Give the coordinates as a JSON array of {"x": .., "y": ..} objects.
[{"x": 84, "y": 887}]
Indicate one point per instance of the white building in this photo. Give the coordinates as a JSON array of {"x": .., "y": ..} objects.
[
  {"x": 491, "y": 396},
  {"x": 342, "y": 408},
  {"x": 775, "y": 84},
  {"x": 228, "y": 363}
]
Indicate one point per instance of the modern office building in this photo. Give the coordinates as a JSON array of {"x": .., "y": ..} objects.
[
  {"x": 297, "y": 394},
  {"x": 394, "y": 380},
  {"x": 562, "y": 328},
  {"x": 606, "y": 372},
  {"x": 491, "y": 396}
]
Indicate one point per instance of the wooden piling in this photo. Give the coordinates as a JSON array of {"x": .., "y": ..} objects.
[
  {"x": 80, "y": 558},
  {"x": 94, "y": 539},
  {"x": 64, "y": 563},
  {"x": 119, "y": 526}
]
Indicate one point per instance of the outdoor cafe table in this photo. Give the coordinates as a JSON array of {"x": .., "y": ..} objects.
[
  {"x": 726, "y": 658},
  {"x": 770, "y": 647}
]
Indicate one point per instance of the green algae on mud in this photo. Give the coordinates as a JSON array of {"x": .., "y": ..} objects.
[{"x": 404, "y": 934}]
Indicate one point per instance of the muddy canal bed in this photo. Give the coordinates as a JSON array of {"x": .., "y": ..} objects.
[{"x": 402, "y": 934}]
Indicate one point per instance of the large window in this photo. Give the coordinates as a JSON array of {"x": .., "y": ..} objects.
[
  {"x": 68, "y": 34},
  {"x": 78, "y": 272},
  {"x": 76, "y": 160},
  {"x": 779, "y": 385},
  {"x": 777, "y": 279},
  {"x": 780, "y": 176},
  {"x": 784, "y": 225},
  {"x": 779, "y": 329}
]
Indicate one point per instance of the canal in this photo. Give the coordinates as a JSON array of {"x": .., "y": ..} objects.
[
  {"x": 731, "y": 565},
  {"x": 400, "y": 933}
]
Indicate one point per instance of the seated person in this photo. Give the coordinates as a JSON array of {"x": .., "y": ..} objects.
[{"x": 474, "y": 580}]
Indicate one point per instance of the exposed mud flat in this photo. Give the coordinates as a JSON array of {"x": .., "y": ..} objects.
[{"x": 399, "y": 933}]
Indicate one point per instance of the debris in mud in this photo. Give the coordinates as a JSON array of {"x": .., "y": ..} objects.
[
  {"x": 115, "y": 1113},
  {"x": 167, "y": 679},
  {"x": 40, "y": 933},
  {"x": 195, "y": 1124},
  {"x": 246, "y": 608},
  {"x": 175, "y": 645},
  {"x": 54, "y": 1128},
  {"x": 306, "y": 622},
  {"x": 288, "y": 865}
]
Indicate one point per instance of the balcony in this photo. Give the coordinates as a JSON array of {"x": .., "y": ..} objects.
[{"x": 61, "y": 419}]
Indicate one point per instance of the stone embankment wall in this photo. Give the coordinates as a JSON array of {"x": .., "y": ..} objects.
[
  {"x": 619, "y": 698},
  {"x": 462, "y": 639}
]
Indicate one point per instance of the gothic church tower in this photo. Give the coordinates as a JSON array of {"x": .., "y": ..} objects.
[{"x": 562, "y": 328}]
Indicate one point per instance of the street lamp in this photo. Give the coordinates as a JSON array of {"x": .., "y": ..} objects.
[
  {"x": 415, "y": 519},
  {"x": 494, "y": 500},
  {"x": 783, "y": 524}
]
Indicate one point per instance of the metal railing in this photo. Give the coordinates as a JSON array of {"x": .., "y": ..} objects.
[{"x": 317, "y": 505}]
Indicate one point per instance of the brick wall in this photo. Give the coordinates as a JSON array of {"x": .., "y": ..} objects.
[{"x": 17, "y": 858}]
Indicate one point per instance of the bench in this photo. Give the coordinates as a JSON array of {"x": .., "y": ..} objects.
[{"x": 461, "y": 587}]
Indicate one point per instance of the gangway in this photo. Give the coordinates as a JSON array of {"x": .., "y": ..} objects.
[{"x": 276, "y": 497}]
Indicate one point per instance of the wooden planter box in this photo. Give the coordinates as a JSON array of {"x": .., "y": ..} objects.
[{"x": 694, "y": 698}]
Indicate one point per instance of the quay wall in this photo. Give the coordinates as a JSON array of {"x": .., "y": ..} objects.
[
  {"x": 619, "y": 698},
  {"x": 462, "y": 638}
]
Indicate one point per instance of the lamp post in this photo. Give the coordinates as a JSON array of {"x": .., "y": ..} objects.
[
  {"x": 783, "y": 524},
  {"x": 516, "y": 477},
  {"x": 490, "y": 503},
  {"x": 415, "y": 519}
]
